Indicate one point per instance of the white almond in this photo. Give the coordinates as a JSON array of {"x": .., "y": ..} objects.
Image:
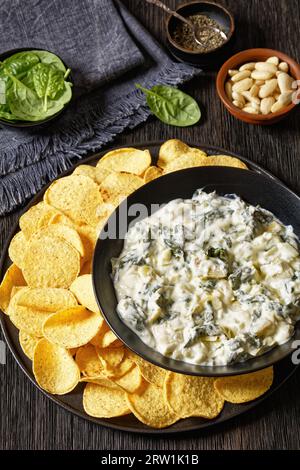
[
  {"x": 266, "y": 67},
  {"x": 268, "y": 89},
  {"x": 261, "y": 75},
  {"x": 283, "y": 66},
  {"x": 250, "y": 98},
  {"x": 243, "y": 85},
  {"x": 255, "y": 106},
  {"x": 285, "y": 82},
  {"x": 238, "y": 104},
  {"x": 259, "y": 82},
  {"x": 277, "y": 107},
  {"x": 241, "y": 75},
  {"x": 232, "y": 72},
  {"x": 238, "y": 97},
  {"x": 286, "y": 98},
  {"x": 228, "y": 90},
  {"x": 250, "y": 110},
  {"x": 266, "y": 105},
  {"x": 254, "y": 90},
  {"x": 249, "y": 66},
  {"x": 273, "y": 60}
]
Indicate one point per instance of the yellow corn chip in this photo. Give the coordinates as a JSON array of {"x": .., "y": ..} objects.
[
  {"x": 28, "y": 343},
  {"x": 72, "y": 327},
  {"x": 116, "y": 186},
  {"x": 12, "y": 278},
  {"x": 243, "y": 388},
  {"x": 17, "y": 247},
  {"x": 173, "y": 149},
  {"x": 29, "y": 220},
  {"x": 152, "y": 173},
  {"x": 50, "y": 262},
  {"x": 54, "y": 368},
  {"x": 151, "y": 408},
  {"x": 76, "y": 196},
  {"x": 64, "y": 232},
  {"x": 86, "y": 170},
  {"x": 192, "y": 396},
  {"x": 111, "y": 357},
  {"x": 88, "y": 361},
  {"x": 129, "y": 160},
  {"x": 83, "y": 290},
  {"x": 103, "y": 402}
]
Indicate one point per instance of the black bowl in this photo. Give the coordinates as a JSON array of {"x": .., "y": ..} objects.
[
  {"x": 210, "y": 59},
  {"x": 33, "y": 124},
  {"x": 252, "y": 187}
]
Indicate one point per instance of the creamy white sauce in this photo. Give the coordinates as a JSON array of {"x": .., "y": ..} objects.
[{"x": 210, "y": 280}]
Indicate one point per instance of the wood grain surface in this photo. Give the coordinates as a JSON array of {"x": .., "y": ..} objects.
[{"x": 28, "y": 420}]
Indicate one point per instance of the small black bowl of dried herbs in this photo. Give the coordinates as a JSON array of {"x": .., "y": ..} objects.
[{"x": 217, "y": 30}]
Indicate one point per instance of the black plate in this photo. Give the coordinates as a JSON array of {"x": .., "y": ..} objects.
[
  {"x": 252, "y": 187},
  {"x": 73, "y": 401}
]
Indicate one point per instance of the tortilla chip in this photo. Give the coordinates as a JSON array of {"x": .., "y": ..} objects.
[
  {"x": 88, "y": 361},
  {"x": 28, "y": 343},
  {"x": 131, "y": 382},
  {"x": 72, "y": 327},
  {"x": 173, "y": 149},
  {"x": 224, "y": 160},
  {"x": 101, "y": 380},
  {"x": 77, "y": 197},
  {"x": 244, "y": 388},
  {"x": 54, "y": 368},
  {"x": 12, "y": 278},
  {"x": 192, "y": 396},
  {"x": 116, "y": 186},
  {"x": 119, "y": 371},
  {"x": 16, "y": 249},
  {"x": 28, "y": 313},
  {"x": 86, "y": 170},
  {"x": 83, "y": 290},
  {"x": 185, "y": 161},
  {"x": 29, "y": 220},
  {"x": 64, "y": 232},
  {"x": 103, "y": 402},
  {"x": 129, "y": 160},
  {"x": 153, "y": 374},
  {"x": 50, "y": 262},
  {"x": 151, "y": 408},
  {"x": 111, "y": 358},
  {"x": 49, "y": 299},
  {"x": 152, "y": 173}
]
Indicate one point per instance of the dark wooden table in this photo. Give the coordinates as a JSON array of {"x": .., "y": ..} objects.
[{"x": 28, "y": 420}]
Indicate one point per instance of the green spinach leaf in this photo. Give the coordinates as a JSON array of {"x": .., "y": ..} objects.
[
  {"x": 20, "y": 63},
  {"x": 24, "y": 102},
  {"x": 50, "y": 58},
  {"x": 48, "y": 82},
  {"x": 172, "y": 106}
]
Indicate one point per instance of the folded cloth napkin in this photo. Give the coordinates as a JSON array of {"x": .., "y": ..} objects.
[{"x": 100, "y": 41}]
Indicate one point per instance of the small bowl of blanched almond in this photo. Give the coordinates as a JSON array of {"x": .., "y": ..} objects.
[{"x": 259, "y": 86}]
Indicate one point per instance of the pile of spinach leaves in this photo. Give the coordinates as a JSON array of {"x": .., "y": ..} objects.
[{"x": 33, "y": 86}]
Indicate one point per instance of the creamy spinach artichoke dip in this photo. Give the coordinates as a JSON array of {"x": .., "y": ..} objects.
[{"x": 210, "y": 280}]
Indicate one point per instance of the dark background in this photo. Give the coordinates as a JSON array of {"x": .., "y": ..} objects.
[{"x": 28, "y": 420}]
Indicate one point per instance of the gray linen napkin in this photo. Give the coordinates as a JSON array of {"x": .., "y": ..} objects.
[{"x": 101, "y": 41}]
